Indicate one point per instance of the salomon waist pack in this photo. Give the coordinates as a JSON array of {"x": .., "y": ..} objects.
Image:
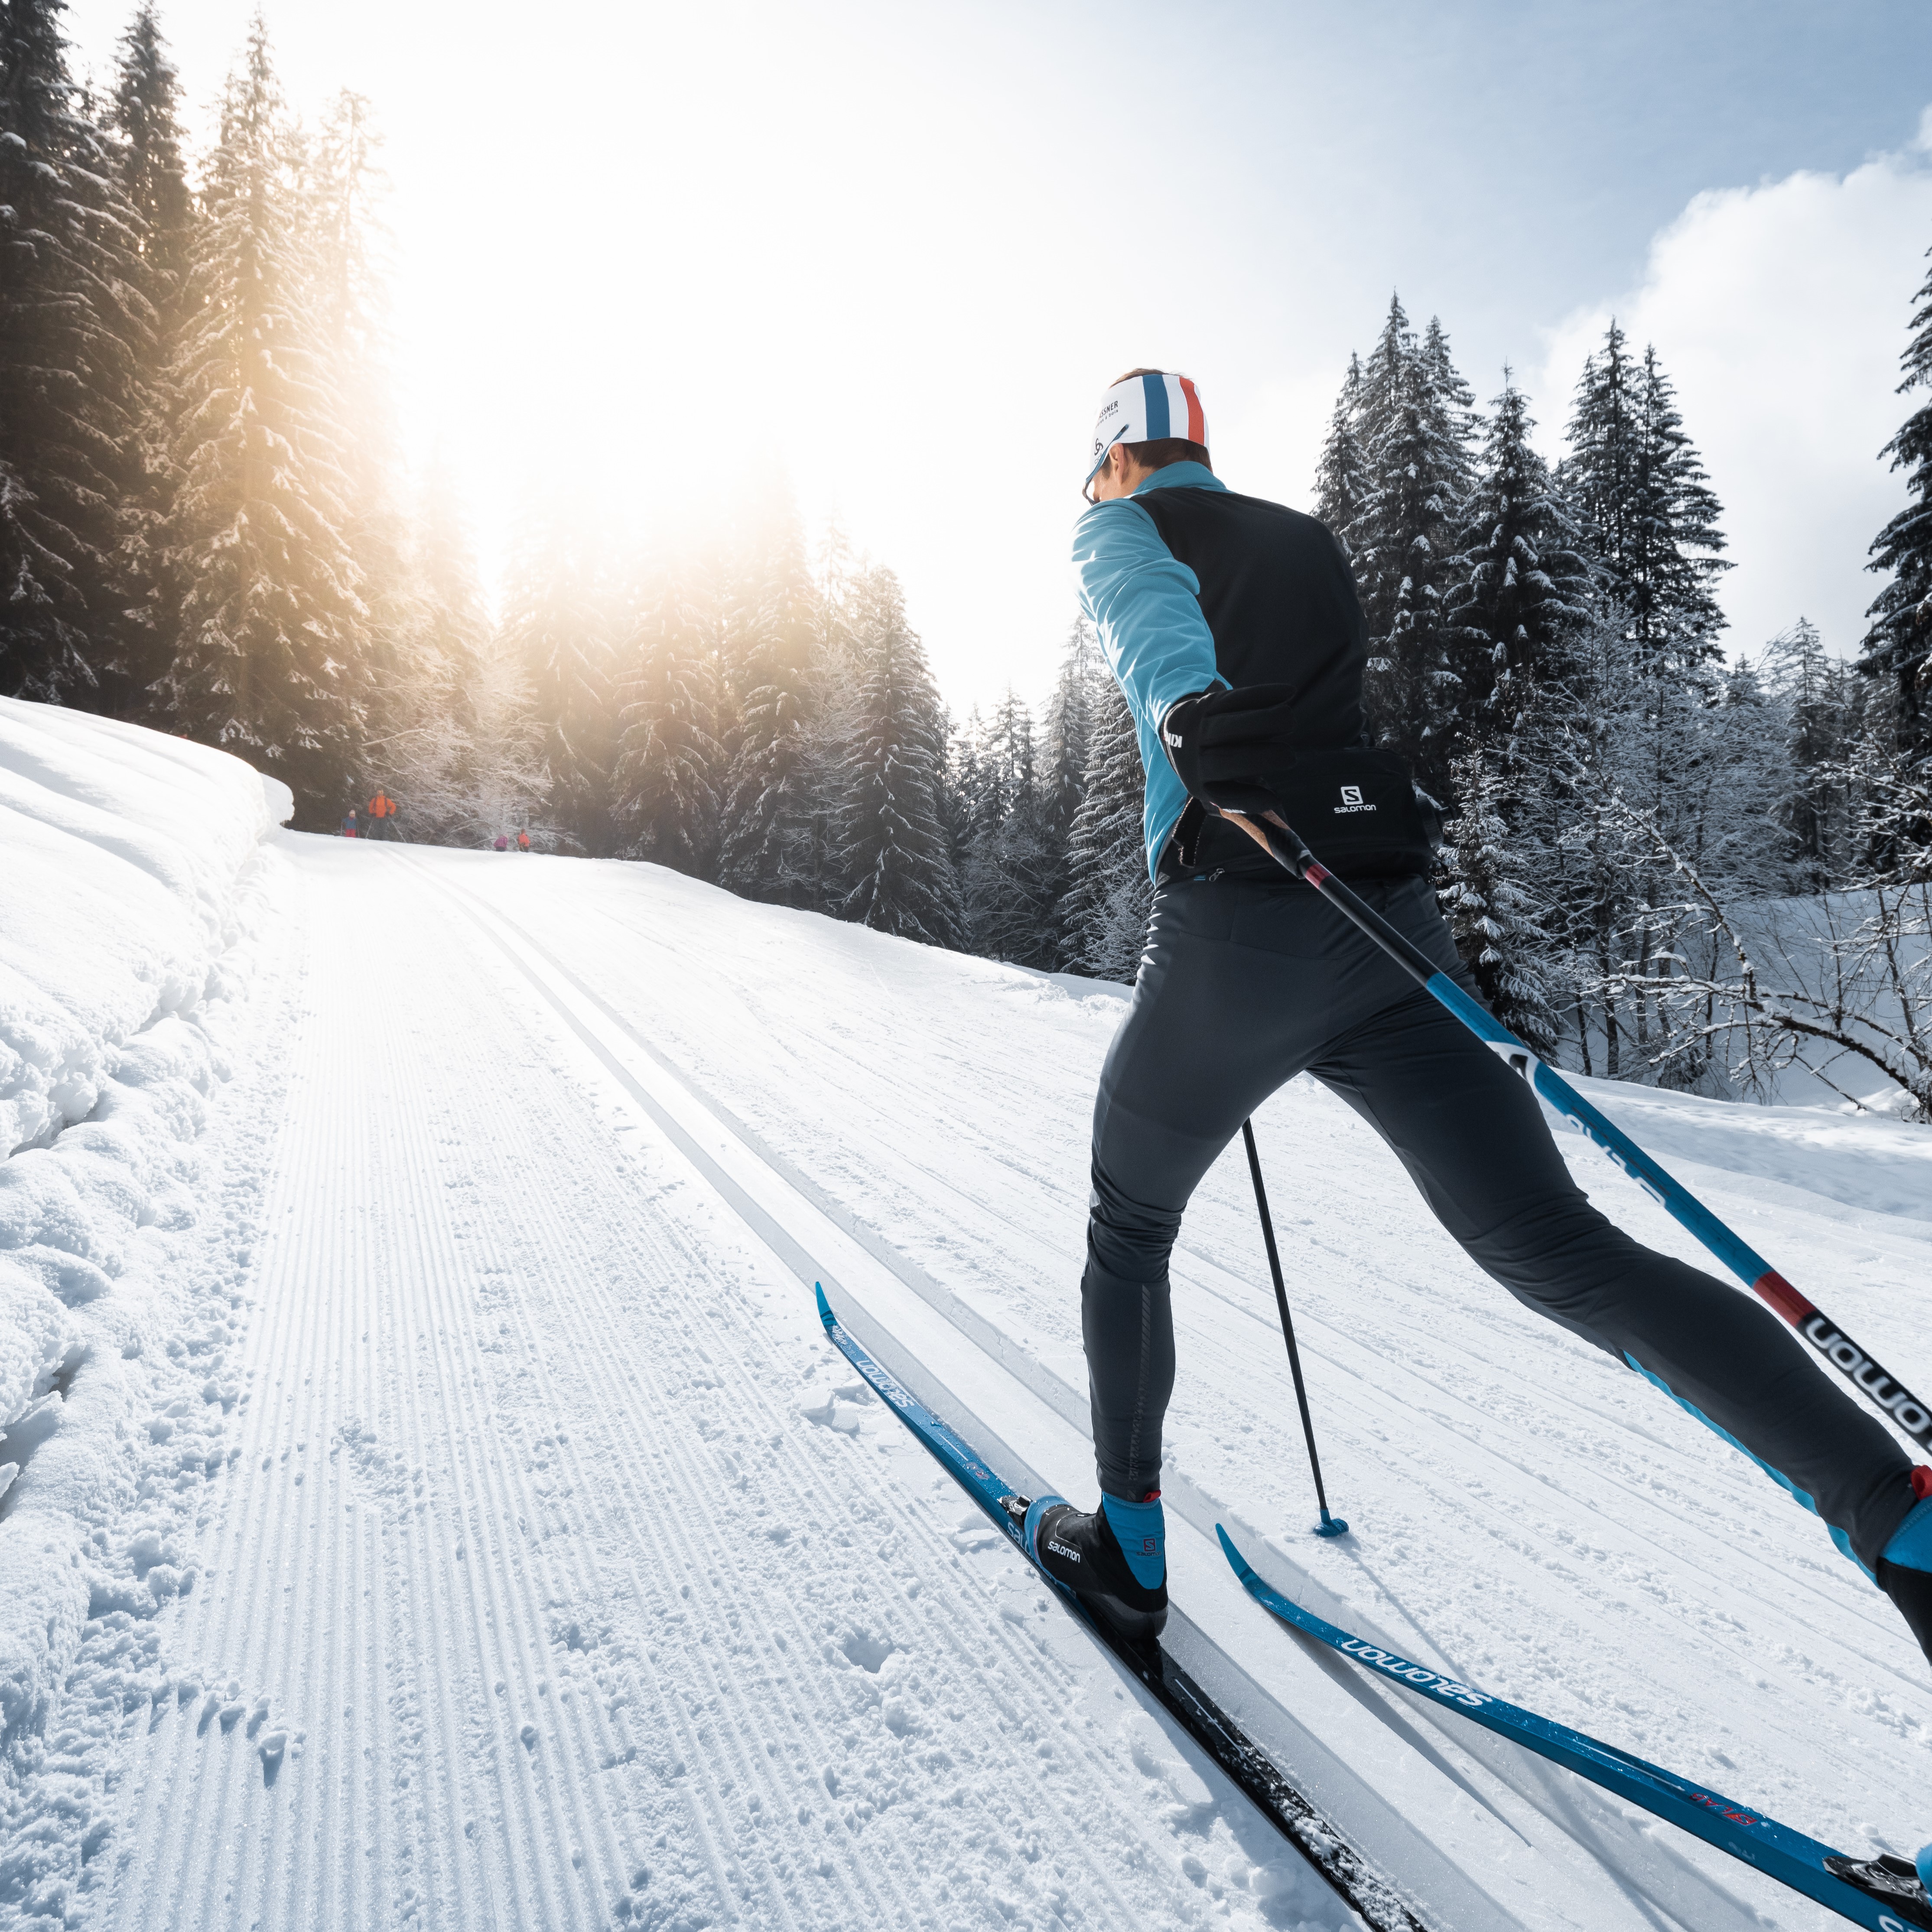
[{"x": 1356, "y": 810}]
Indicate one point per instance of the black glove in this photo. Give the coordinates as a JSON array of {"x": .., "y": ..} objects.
[{"x": 1223, "y": 744}]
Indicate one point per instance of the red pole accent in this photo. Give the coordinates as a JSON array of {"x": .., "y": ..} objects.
[{"x": 1783, "y": 1296}]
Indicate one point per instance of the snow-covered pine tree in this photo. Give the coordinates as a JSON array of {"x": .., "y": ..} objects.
[
  {"x": 1343, "y": 482},
  {"x": 1648, "y": 518},
  {"x": 76, "y": 333},
  {"x": 1405, "y": 546},
  {"x": 665, "y": 788},
  {"x": 962, "y": 804},
  {"x": 1524, "y": 587},
  {"x": 1897, "y": 649},
  {"x": 1491, "y": 907},
  {"x": 344, "y": 190},
  {"x": 1104, "y": 914},
  {"x": 1577, "y": 745},
  {"x": 1005, "y": 880},
  {"x": 145, "y": 121},
  {"x": 1676, "y": 606},
  {"x": 1385, "y": 380},
  {"x": 1070, "y": 715},
  {"x": 456, "y": 622},
  {"x": 1454, "y": 402},
  {"x": 1824, "y": 698},
  {"x": 559, "y": 618},
  {"x": 891, "y": 848},
  {"x": 832, "y": 706},
  {"x": 146, "y": 117},
  {"x": 451, "y": 755},
  {"x": 1598, "y": 474},
  {"x": 504, "y": 774},
  {"x": 268, "y": 654},
  {"x": 768, "y": 849}
]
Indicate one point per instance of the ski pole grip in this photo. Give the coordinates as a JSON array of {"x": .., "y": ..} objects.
[
  {"x": 1286, "y": 848},
  {"x": 1290, "y": 851}
]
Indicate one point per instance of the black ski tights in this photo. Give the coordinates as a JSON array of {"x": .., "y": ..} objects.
[{"x": 1243, "y": 985}]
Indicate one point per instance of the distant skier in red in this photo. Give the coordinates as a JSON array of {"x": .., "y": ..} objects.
[
  {"x": 524, "y": 840},
  {"x": 349, "y": 823}
]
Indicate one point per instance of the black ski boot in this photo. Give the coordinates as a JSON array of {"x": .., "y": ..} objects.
[{"x": 1082, "y": 1552}]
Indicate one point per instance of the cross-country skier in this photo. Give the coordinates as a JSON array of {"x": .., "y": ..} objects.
[{"x": 1233, "y": 627}]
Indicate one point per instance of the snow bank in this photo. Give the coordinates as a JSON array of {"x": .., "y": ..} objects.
[
  {"x": 122, "y": 847},
  {"x": 131, "y": 881}
]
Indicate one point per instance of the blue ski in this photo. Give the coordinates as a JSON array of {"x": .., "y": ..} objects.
[
  {"x": 1238, "y": 1757},
  {"x": 1883, "y": 1893}
]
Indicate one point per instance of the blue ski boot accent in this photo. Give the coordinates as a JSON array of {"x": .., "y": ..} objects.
[
  {"x": 1140, "y": 1530},
  {"x": 1029, "y": 1528}
]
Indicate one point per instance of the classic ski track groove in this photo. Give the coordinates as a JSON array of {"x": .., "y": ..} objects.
[
  {"x": 1562, "y": 1799},
  {"x": 375, "y": 1582},
  {"x": 1013, "y": 1657},
  {"x": 576, "y": 1544}
]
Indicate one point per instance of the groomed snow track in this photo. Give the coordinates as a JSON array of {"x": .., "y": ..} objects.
[{"x": 566, "y": 1578}]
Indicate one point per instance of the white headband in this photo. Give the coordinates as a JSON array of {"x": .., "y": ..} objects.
[{"x": 1144, "y": 408}]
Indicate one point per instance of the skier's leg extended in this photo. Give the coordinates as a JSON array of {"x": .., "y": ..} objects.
[
  {"x": 1214, "y": 1028},
  {"x": 1473, "y": 1139}
]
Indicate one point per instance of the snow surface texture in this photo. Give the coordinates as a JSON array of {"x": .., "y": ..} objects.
[
  {"x": 132, "y": 880},
  {"x": 566, "y": 1576}
]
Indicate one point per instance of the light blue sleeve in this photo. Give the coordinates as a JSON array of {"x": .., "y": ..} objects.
[{"x": 1146, "y": 605}]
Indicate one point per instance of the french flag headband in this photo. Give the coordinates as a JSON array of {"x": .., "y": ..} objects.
[{"x": 1144, "y": 408}]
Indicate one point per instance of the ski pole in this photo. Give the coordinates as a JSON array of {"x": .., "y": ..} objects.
[
  {"x": 1329, "y": 1526},
  {"x": 1883, "y": 1390}
]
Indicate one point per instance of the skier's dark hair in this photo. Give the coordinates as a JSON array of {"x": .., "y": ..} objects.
[{"x": 1164, "y": 449}]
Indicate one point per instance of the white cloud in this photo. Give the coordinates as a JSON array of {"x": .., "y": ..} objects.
[{"x": 1781, "y": 312}]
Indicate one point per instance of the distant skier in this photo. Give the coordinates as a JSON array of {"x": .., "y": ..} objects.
[
  {"x": 349, "y": 823},
  {"x": 1233, "y": 627},
  {"x": 524, "y": 840},
  {"x": 383, "y": 811},
  {"x": 502, "y": 842}
]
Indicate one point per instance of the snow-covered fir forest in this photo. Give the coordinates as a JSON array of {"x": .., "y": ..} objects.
[{"x": 1669, "y": 855}]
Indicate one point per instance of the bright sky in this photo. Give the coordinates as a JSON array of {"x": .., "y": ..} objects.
[{"x": 901, "y": 249}]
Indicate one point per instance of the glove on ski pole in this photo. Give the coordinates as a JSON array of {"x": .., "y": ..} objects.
[{"x": 1222, "y": 742}]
